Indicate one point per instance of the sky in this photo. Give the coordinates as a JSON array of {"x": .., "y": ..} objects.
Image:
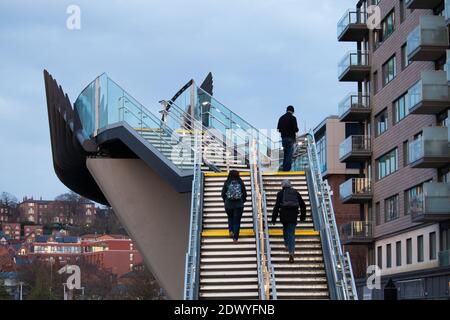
[{"x": 264, "y": 55}]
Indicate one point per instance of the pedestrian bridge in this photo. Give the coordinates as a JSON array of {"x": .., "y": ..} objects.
[{"x": 162, "y": 174}]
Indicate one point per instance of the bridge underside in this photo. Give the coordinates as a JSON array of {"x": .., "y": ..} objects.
[{"x": 153, "y": 213}]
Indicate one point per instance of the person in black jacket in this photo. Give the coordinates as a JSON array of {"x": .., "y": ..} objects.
[
  {"x": 288, "y": 203},
  {"x": 288, "y": 128},
  {"x": 234, "y": 196}
]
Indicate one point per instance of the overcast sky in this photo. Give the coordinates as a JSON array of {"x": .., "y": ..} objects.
[{"x": 264, "y": 55}]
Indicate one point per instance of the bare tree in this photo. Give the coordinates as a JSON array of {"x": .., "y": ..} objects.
[{"x": 8, "y": 199}]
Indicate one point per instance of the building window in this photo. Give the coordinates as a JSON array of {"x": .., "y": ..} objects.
[
  {"x": 380, "y": 257},
  {"x": 391, "y": 208},
  {"x": 433, "y": 247},
  {"x": 405, "y": 60},
  {"x": 389, "y": 256},
  {"x": 387, "y": 164},
  {"x": 398, "y": 253},
  {"x": 381, "y": 122},
  {"x": 322, "y": 153},
  {"x": 409, "y": 251},
  {"x": 420, "y": 249},
  {"x": 412, "y": 194},
  {"x": 389, "y": 70},
  {"x": 401, "y": 109},
  {"x": 402, "y": 11},
  {"x": 375, "y": 82},
  {"x": 387, "y": 28},
  {"x": 377, "y": 214}
]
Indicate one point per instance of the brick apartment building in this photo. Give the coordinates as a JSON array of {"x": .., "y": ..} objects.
[
  {"x": 49, "y": 211},
  {"x": 115, "y": 253},
  {"x": 400, "y": 138},
  {"x": 11, "y": 230},
  {"x": 328, "y": 136},
  {"x": 6, "y": 213}
]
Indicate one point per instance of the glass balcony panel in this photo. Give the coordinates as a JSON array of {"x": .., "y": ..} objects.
[
  {"x": 356, "y": 19},
  {"x": 357, "y": 232},
  {"x": 431, "y": 205},
  {"x": 355, "y": 147},
  {"x": 355, "y": 106},
  {"x": 354, "y": 66},
  {"x": 429, "y": 40},
  {"x": 430, "y": 95},
  {"x": 431, "y": 150},
  {"x": 355, "y": 190}
]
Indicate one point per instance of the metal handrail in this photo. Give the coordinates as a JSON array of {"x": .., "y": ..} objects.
[
  {"x": 266, "y": 234},
  {"x": 205, "y": 130},
  {"x": 266, "y": 279},
  {"x": 341, "y": 267},
  {"x": 192, "y": 256}
]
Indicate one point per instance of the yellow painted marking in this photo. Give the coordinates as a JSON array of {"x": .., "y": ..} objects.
[
  {"x": 223, "y": 174},
  {"x": 251, "y": 232},
  {"x": 298, "y": 232},
  {"x": 290, "y": 173},
  {"x": 148, "y": 129},
  {"x": 225, "y": 233}
]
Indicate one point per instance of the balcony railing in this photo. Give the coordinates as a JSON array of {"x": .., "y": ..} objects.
[
  {"x": 352, "y": 26},
  {"x": 422, "y": 4},
  {"x": 355, "y": 107},
  {"x": 357, "y": 232},
  {"x": 354, "y": 66},
  {"x": 431, "y": 150},
  {"x": 433, "y": 204},
  {"x": 430, "y": 95},
  {"x": 429, "y": 40},
  {"x": 355, "y": 148},
  {"x": 356, "y": 190}
]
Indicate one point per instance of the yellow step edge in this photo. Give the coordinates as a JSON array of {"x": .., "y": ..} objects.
[
  {"x": 224, "y": 174},
  {"x": 251, "y": 232},
  {"x": 246, "y": 173},
  {"x": 225, "y": 233},
  {"x": 290, "y": 173},
  {"x": 148, "y": 129}
]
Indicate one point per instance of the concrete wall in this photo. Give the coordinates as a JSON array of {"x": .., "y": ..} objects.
[
  {"x": 154, "y": 214},
  {"x": 426, "y": 264}
]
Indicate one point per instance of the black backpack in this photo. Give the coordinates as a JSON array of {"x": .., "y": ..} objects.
[
  {"x": 290, "y": 198},
  {"x": 234, "y": 191}
]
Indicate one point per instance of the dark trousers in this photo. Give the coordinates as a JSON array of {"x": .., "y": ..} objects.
[
  {"x": 289, "y": 236},
  {"x": 288, "y": 150},
  {"x": 234, "y": 221}
]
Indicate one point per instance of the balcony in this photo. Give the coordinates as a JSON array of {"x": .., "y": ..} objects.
[
  {"x": 422, "y": 4},
  {"x": 355, "y": 149},
  {"x": 356, "y": 190},
  {"x": 357, "y": 232},
  {"x": 431, "y": 150},
  {"x": 430, "y": 94},
  {"x": 429, "y": 41},
  {"x": 444, "y": 258},
  {"x": 354, "y": 67},
  {"x": 355, "y": 107},
  {"x": 352, "y": 26},
  {"x": 431, "y": 205}
]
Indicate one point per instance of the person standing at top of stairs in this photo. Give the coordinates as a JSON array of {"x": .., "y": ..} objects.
[
  {"x": 288, "y": 128},
  {"x": 287, "y": 205},
  {"x": 234, "y": 196}
]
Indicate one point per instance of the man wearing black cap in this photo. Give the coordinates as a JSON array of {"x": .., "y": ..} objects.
[{"x": 287, "y": 126}]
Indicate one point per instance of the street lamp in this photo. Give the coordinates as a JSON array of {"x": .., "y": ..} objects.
[
  {"x": 21, "y": 290},
  {"x": 51, "y": 275}
]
